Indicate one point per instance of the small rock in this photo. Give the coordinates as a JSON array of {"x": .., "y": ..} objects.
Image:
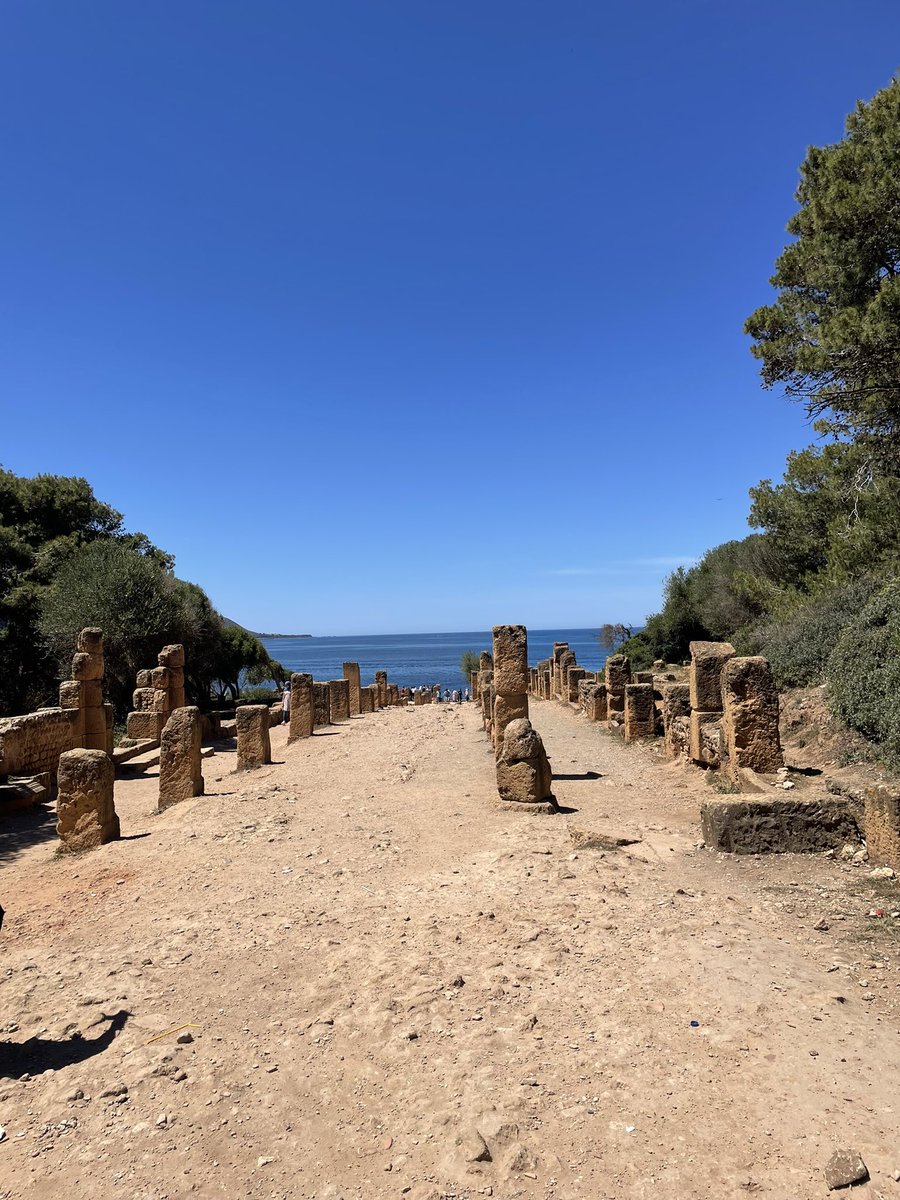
[
  {"x": 78, "y": 1094},
  {"x": 881, "y": 873},
  {"x": 845, "y": 1167},
  {"x": 264, "y": 1160},
  {"x": 475, "y": 1148},
  {"x": 118, "y": 1089},
  {"x": 2, "y": 1134},
  {"x": 185, "y": 1039},
  {"x": 821, "y": 925}
]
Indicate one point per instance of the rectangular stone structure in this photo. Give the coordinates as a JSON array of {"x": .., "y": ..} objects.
[
  {"x": 676, "y": 719},
  {"x": 750, "y": 720},
  {"x": 339, "y": 699},
  {"x": 510, "y": 659},
  {"x": 85, "y": 812},
  {"x": 366, "y": 701},
  {"x": 180, "y": 764},
  {"x": 252, "y": 726},
  {"x": 882, "y": 818},
  {"x": 140, "y": 725},
  {"x": 706, "y": 738},
  {"x": 769, "y": 826},
  {"x": 303, "y": 709},
  {"x": 707, "y": 661},
  {"x": 381, "y": 684},
  {"x": 350, "y": 672},
  {"x": 321, "y": 704},
  {"x": 640, "y": 711},
  {"x": 574, "y": 676},
  {"x": 617, "y": 673},
  {"x": 595, "y": 702}
]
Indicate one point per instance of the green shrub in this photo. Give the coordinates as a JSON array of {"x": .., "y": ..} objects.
[
  {"x": 799, "y": 643},
  {"x": 259, "y": 695},
  {"x": 864, "y": 673}
]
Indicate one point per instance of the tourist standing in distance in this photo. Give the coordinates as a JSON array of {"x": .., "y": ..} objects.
[{"x": 286, "y": 704}]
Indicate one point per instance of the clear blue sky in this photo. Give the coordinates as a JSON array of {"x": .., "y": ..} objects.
[{"x": 414, "y": 315}]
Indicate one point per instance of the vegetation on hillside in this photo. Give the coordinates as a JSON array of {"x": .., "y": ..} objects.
[
  {"x": 66, "y": 561},
  {"x": 815, "y": 589}
]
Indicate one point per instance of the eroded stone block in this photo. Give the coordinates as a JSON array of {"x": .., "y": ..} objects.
[
  {"x": 252, "y": 727},
  {"x": 180, "y": 763},
  {"x": 85, "y": 812}
]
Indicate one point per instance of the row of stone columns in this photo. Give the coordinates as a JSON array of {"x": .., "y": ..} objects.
[{"x": 159, "y": 692}]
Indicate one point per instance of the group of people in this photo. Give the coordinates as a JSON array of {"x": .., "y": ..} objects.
[{"x": 457, "y": 696}]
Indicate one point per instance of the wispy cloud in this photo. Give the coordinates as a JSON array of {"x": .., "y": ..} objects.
[{"x": 624, "y": 565}]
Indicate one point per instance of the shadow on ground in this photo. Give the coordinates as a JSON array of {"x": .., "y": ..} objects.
[
  {"x": 22, "y": 830},
  {"x": 45, "y": 1054}
]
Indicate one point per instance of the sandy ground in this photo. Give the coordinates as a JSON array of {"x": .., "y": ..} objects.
[{"x": 396, "y": 987}]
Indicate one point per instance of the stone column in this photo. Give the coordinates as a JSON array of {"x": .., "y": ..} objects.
[
  {"x": 88, "y": 669},
  {"x": 180, "y": 769},
  {"x": 676, "y": 719},
  {"x": 559, "y": 649},
  {"x": 321, "y": 704},
  {"x": 172, "y": 658},
  {"x": 510, "y": 679},
  {"x": 253, "y": 746},
  {"x": 574, "y": 676},
  {"x": 303, "y": 710},
  {"x": 381, "y": 684},
  {"x": 640, "y": 711},
  {"x": 707, "y": 661},
  {"x": 750, "y": 720},
  {"x": 486, "y": 689},
  {"x": 523, "y": 770},
  {"x": 85, "y": 812},
  {"x": 351, "y": 674},
  {"x": 366, "y": 700},
  {"x": 339, "y": 699},
  {"x": 617, "y": 678},
  {"x": 882, "y": 818},
  {"x": 595, "y": 702},
  {"x": 566, "y": 660}
]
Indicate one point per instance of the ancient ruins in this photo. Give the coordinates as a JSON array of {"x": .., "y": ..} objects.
[{"x": 722, "y": 716}]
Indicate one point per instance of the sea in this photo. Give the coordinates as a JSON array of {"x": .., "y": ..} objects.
[{"x": 418, "y": 659}]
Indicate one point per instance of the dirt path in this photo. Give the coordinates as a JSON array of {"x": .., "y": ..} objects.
[{"x": 389, "y": 978}]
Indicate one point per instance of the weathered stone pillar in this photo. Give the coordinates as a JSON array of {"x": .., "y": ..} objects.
[
  {"x": 510, "y": 679},
  {"x": 707, "y": 661},
  {"x": 882, "y": 817},
  {"x": 172, "y": 659},
  {"x": 574, "y": 676},
  {"x": 366, "y": 700},
  {"x": 321, "y": 704},
  {"x": 566, "y": 660},
  {"x": 253, "y": 746},
  {"x": 351, "y": 674},
  {"x": 676, "y": 719},
  {"x": 303, "y": 709},
  {"x": 474, "y": 685},
  {"x": 180, "y": 764},
  {"x": 381, "y": 683},
  {"x": 394, "y": 693},
  {"x": 640, "y": 711},
  {"x": 750, "y": 720},
  {"x": 595, "y": 702},
  {"x": 486, "y": 689},
  {"x": 617, "y": 678},
  {"x": 523, "y": 770},
  {"x": 88, "y": 669},
  {"x": 85, "y": 812},
  {"x": 559, "y": 649},
  {"x": 339, "y": 699}
]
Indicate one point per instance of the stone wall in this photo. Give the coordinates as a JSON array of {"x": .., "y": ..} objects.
[{"x": 32, "y": 744}]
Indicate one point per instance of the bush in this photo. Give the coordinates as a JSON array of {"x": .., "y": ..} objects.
[
  {"x": 259, "y": 695},
  {"x": 799, "y": 644},
  {"x": 864, "y": 673}
]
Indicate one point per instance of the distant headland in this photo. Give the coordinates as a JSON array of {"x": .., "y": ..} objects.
[{"x": 234, "y": 624}]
